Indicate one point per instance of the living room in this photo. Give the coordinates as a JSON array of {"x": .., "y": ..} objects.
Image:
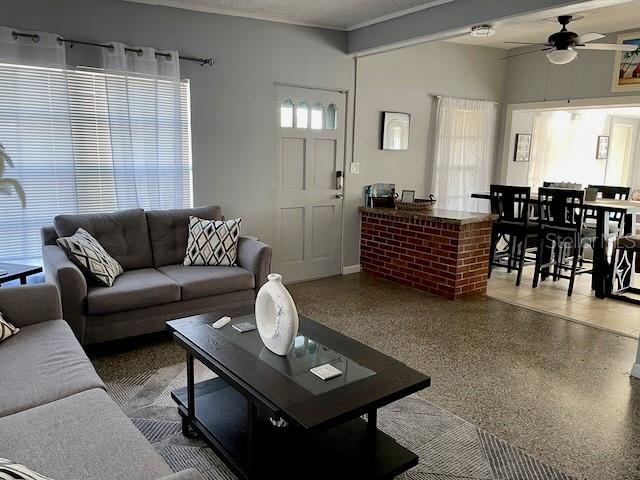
[{"x": 300, "y": 199}]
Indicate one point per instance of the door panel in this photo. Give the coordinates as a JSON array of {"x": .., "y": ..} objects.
[
  {"x": 323, "y": 219},
  {"x": 308, "y": 219},
  {"x": 292, "y": 235},
  {"x": 324, "y": 174},
  {"x": 293, "y": 163}
]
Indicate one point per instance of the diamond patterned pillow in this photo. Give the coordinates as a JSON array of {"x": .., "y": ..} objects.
[
  {"x": 6, "y": 329},
  {"x": 212, "y": 242},
  {"x": 87, "y": 253}
]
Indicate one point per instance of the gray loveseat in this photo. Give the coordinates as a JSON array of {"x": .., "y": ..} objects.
[
  {"x": 55, "y": 415},
  {"x": 155, "y": 286}
]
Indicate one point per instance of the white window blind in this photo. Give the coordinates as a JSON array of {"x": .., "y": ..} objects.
[{"x": 77, "y": 149}]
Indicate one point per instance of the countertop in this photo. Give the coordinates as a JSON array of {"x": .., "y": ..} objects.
[{"x": 435, "y": 215}]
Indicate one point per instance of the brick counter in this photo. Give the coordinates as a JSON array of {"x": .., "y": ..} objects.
[{"x": 442, "y": 252}]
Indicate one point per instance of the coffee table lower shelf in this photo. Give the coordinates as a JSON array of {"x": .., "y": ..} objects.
[{"x": 259, "y": 450}]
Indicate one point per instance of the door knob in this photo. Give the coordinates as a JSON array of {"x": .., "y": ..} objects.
[{"x": 339, "y": 195}]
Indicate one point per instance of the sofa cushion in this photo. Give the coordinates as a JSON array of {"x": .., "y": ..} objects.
[
  {"x": 87, "y": 253},
  {"x": 133, "y": 289},
  {"x": 169, "y": 230},
  {"x": 197, "y": 282},
  {"x": 81, "y": 437},
  {"x": 43, "y": 363},
  {"x": 124, "y": 234}
]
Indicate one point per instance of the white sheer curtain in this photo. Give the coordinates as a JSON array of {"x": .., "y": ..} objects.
[
  {"x": 563, "y": 147},
  {"x": 464, "y": 151},
  {"x": 146, "y": 127},
  {"x": 35, "y": 129}
]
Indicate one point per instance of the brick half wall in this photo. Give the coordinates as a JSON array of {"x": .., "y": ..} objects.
[{"x": 447, "y": 259}]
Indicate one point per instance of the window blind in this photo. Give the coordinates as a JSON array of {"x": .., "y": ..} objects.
[{"x": 81, "y": 146}]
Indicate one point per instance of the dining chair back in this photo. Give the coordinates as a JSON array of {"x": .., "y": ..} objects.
[{"x": 609, "y": 192}]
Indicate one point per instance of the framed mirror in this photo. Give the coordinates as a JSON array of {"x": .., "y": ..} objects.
[{"x": 395, "y": 131}]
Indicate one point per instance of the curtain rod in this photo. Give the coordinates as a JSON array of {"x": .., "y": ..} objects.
[
  {"x": 472, "y": 99},
  {"x": 36, "y": 38}
]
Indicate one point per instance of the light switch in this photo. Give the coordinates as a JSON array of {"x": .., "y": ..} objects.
[{"x": 355, "y": 168}]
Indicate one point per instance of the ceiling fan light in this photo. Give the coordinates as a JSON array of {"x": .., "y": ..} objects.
[
  {"x": 484, "y": 30},
  {"x": 562, "y": 57}
]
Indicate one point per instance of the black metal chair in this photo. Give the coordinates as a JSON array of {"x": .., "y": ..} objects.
[
  {"x": 511, "y": 205},
  {"x": 560, "y": 230}
]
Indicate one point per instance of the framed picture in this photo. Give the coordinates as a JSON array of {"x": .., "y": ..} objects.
[
  {"x": 408, "y": 196},
  {"x": 626, "y": 67},
  {"x": 602, "y": 148},
  {"x": 395, "y": 131},
  {"x": 523, "y": 147}
]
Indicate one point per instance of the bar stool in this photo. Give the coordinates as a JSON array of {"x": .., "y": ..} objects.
[
  {"x": 626, "y": 249},
  {"x": 511, "y": 205},
  {"x": 561, "y": 217}
]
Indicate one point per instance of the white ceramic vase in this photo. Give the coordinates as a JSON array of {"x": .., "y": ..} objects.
[{"x": 276, "y": 316}]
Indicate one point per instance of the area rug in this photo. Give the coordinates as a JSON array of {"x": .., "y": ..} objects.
[{"x": 449, "y": 447}]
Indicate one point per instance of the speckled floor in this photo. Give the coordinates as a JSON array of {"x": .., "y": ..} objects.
[{"x": 558, "y": 389}]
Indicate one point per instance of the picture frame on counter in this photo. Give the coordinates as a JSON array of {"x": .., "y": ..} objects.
[
  {"x": 395, "y": 131},
  {"x": 522, "y": 149},
  {"x": 408, "y": 196}
]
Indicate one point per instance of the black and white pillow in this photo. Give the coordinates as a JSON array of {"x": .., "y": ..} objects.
[
  {"x": 212, "y": 242},
  {"x": 12, "y": 470},
  {"x": 6, "y": 330},
  {"x": 87, "y": 253}
]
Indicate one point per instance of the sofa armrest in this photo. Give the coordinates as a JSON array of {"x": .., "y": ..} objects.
[
  {"x": 28, "y": 304},
  {"x": 255, "y": 256},
  {"x": 191, "y": 474},
  {"x": 67, "y": 277}
]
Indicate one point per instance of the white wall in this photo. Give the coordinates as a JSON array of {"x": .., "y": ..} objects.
[{"x": 402, "y": 81}]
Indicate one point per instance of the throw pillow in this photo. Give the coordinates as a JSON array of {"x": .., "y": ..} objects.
[
  {"x": 6, "y": 329},
  {"x": 12, "y": 470},
  {"x": 212, "y": 242},
  {"x": 87, "y": 253}
]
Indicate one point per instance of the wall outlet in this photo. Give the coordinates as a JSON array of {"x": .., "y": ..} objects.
[{"x": 355, "y": 168}]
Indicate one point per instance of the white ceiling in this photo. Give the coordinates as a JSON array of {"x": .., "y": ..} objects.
[
  {"x": 625, "y": 16},
  {"x": 336, "y": 14}
]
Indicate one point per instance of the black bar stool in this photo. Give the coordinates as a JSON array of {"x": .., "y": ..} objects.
[
  {"x": 511, "y": 205},
  {"x": 560, "y": 230}
]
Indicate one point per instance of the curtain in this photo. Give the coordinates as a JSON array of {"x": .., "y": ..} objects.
[
  {"x": 145, "y": 122},
  {"x": 464, "y": 151},
  {"x": 85, "y": 141},
  {"x": 563, "y": 147},
  {"x": 35, "y": 130}
]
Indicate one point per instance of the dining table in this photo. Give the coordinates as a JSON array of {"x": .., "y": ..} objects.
[{"x": 602, "y": 273}]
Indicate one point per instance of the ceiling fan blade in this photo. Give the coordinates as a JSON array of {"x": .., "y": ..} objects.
[
  {"x": 526, "y": 53},
  {"x": 589, "y": 37},
  {"x": 608, "y": 46},
  {"x": 527, "y": 43}
]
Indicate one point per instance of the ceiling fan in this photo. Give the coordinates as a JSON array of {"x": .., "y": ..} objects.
[{"x": 561, "y": 47}]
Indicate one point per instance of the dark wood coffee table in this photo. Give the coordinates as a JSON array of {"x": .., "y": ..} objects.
[
  {"x": 321, "y": 433},
  {"x": 16, "y": 271}
]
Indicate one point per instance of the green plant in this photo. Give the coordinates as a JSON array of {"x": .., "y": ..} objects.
[{"x": 9, "y": 184}]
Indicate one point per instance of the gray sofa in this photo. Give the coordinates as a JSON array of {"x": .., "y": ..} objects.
[
  {"x": 155, "y": 286},
  {"x": 55, "y": 415}
]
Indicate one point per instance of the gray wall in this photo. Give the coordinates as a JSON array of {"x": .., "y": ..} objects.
[
  {"x": 531, "y": 78},
  {"x": 403, "y": 81},
  {"x": 232, "y": 103}
]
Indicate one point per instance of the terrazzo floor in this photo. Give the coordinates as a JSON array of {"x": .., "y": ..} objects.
[{"x": 558, "y": 389}]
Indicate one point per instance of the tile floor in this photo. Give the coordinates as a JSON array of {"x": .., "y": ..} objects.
[{"x": 551, "y": 298}]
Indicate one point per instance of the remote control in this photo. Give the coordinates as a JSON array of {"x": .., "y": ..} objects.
[{"x": 221, "y": 323}]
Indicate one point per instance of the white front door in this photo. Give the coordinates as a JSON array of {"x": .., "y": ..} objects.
[{"x": 309, "y": 157}]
